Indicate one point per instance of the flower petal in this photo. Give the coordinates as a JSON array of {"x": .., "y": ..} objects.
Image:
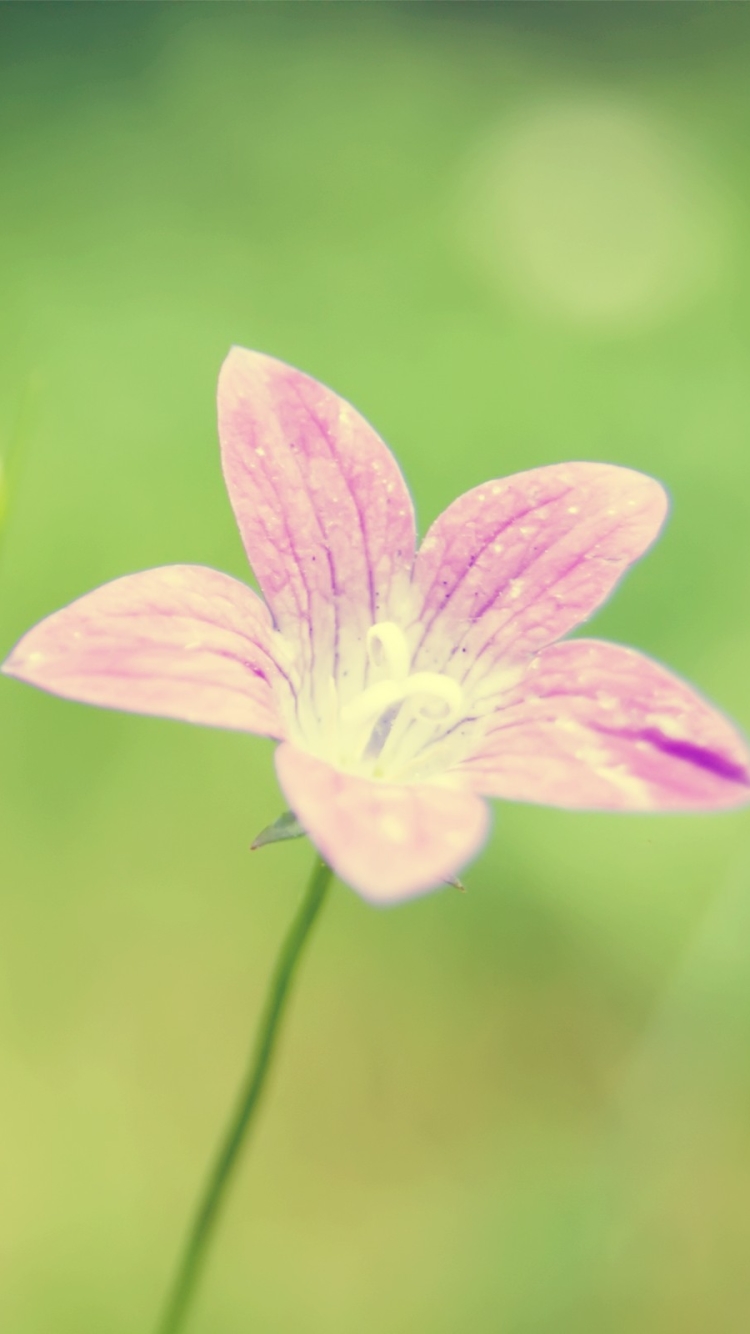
[
  {"x": 388, "y": 841},
  {"x": 598, "y": 726},
  {"x": 515, "y": 564},
  {"x": 323, "y": 509},
  {"x": 181, "y": 642}
]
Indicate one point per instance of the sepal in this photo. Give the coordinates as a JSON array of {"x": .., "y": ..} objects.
[{"x": 287, "y": 826}]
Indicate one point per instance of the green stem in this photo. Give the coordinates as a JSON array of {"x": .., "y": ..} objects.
[{"x": 204, "y": 1224}]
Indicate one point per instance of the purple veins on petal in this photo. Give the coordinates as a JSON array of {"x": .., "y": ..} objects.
[
  {"x": 181, "y": 642},
  {"x": 515, "y": 564},
  {"x": 712, "y": 760},
  {"x": 322, "y": 506},
  {"x": 594, "y": 725}
]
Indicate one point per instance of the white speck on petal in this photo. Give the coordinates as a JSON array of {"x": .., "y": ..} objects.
[
  {"x": 667, "y": 725},
  {"x": 634, "y": 788},
  {"x": 394, "y": 829},
  {"x": 567, "y": 725}
]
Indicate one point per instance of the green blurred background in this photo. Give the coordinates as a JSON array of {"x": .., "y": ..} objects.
[{"x": 511, "y": 235}]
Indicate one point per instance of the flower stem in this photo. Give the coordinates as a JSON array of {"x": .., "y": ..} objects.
[{"x": 214, "y": 1194}]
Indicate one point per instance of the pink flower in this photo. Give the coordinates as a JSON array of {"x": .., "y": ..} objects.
[{"x": 404, "y": 688}]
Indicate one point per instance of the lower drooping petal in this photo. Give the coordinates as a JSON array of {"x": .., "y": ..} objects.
[
  {"x": 181, "y": 642},
  {"x": 598, "y": 726},
  {"x": 388, "y": 841}
]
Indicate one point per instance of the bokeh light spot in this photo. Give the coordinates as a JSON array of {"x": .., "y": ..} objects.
[{"x": 594, "y": 212}]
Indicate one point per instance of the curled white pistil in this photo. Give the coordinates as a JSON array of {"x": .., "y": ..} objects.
[
  {"x": 388, "y": 650},
  {"x": 435, "y": 698}
]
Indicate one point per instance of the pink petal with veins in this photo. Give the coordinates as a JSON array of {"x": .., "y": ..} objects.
[
  {"x": 597, "y": 726},
  {"x": 182, "y": 642},
  {"x": 388, "y": 841},
  {"x": 323, "y": 509},
  {"x": 515, "y": 564}
]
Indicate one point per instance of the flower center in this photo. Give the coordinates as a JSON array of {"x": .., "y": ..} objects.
[{"x": 385, "y": 730}]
